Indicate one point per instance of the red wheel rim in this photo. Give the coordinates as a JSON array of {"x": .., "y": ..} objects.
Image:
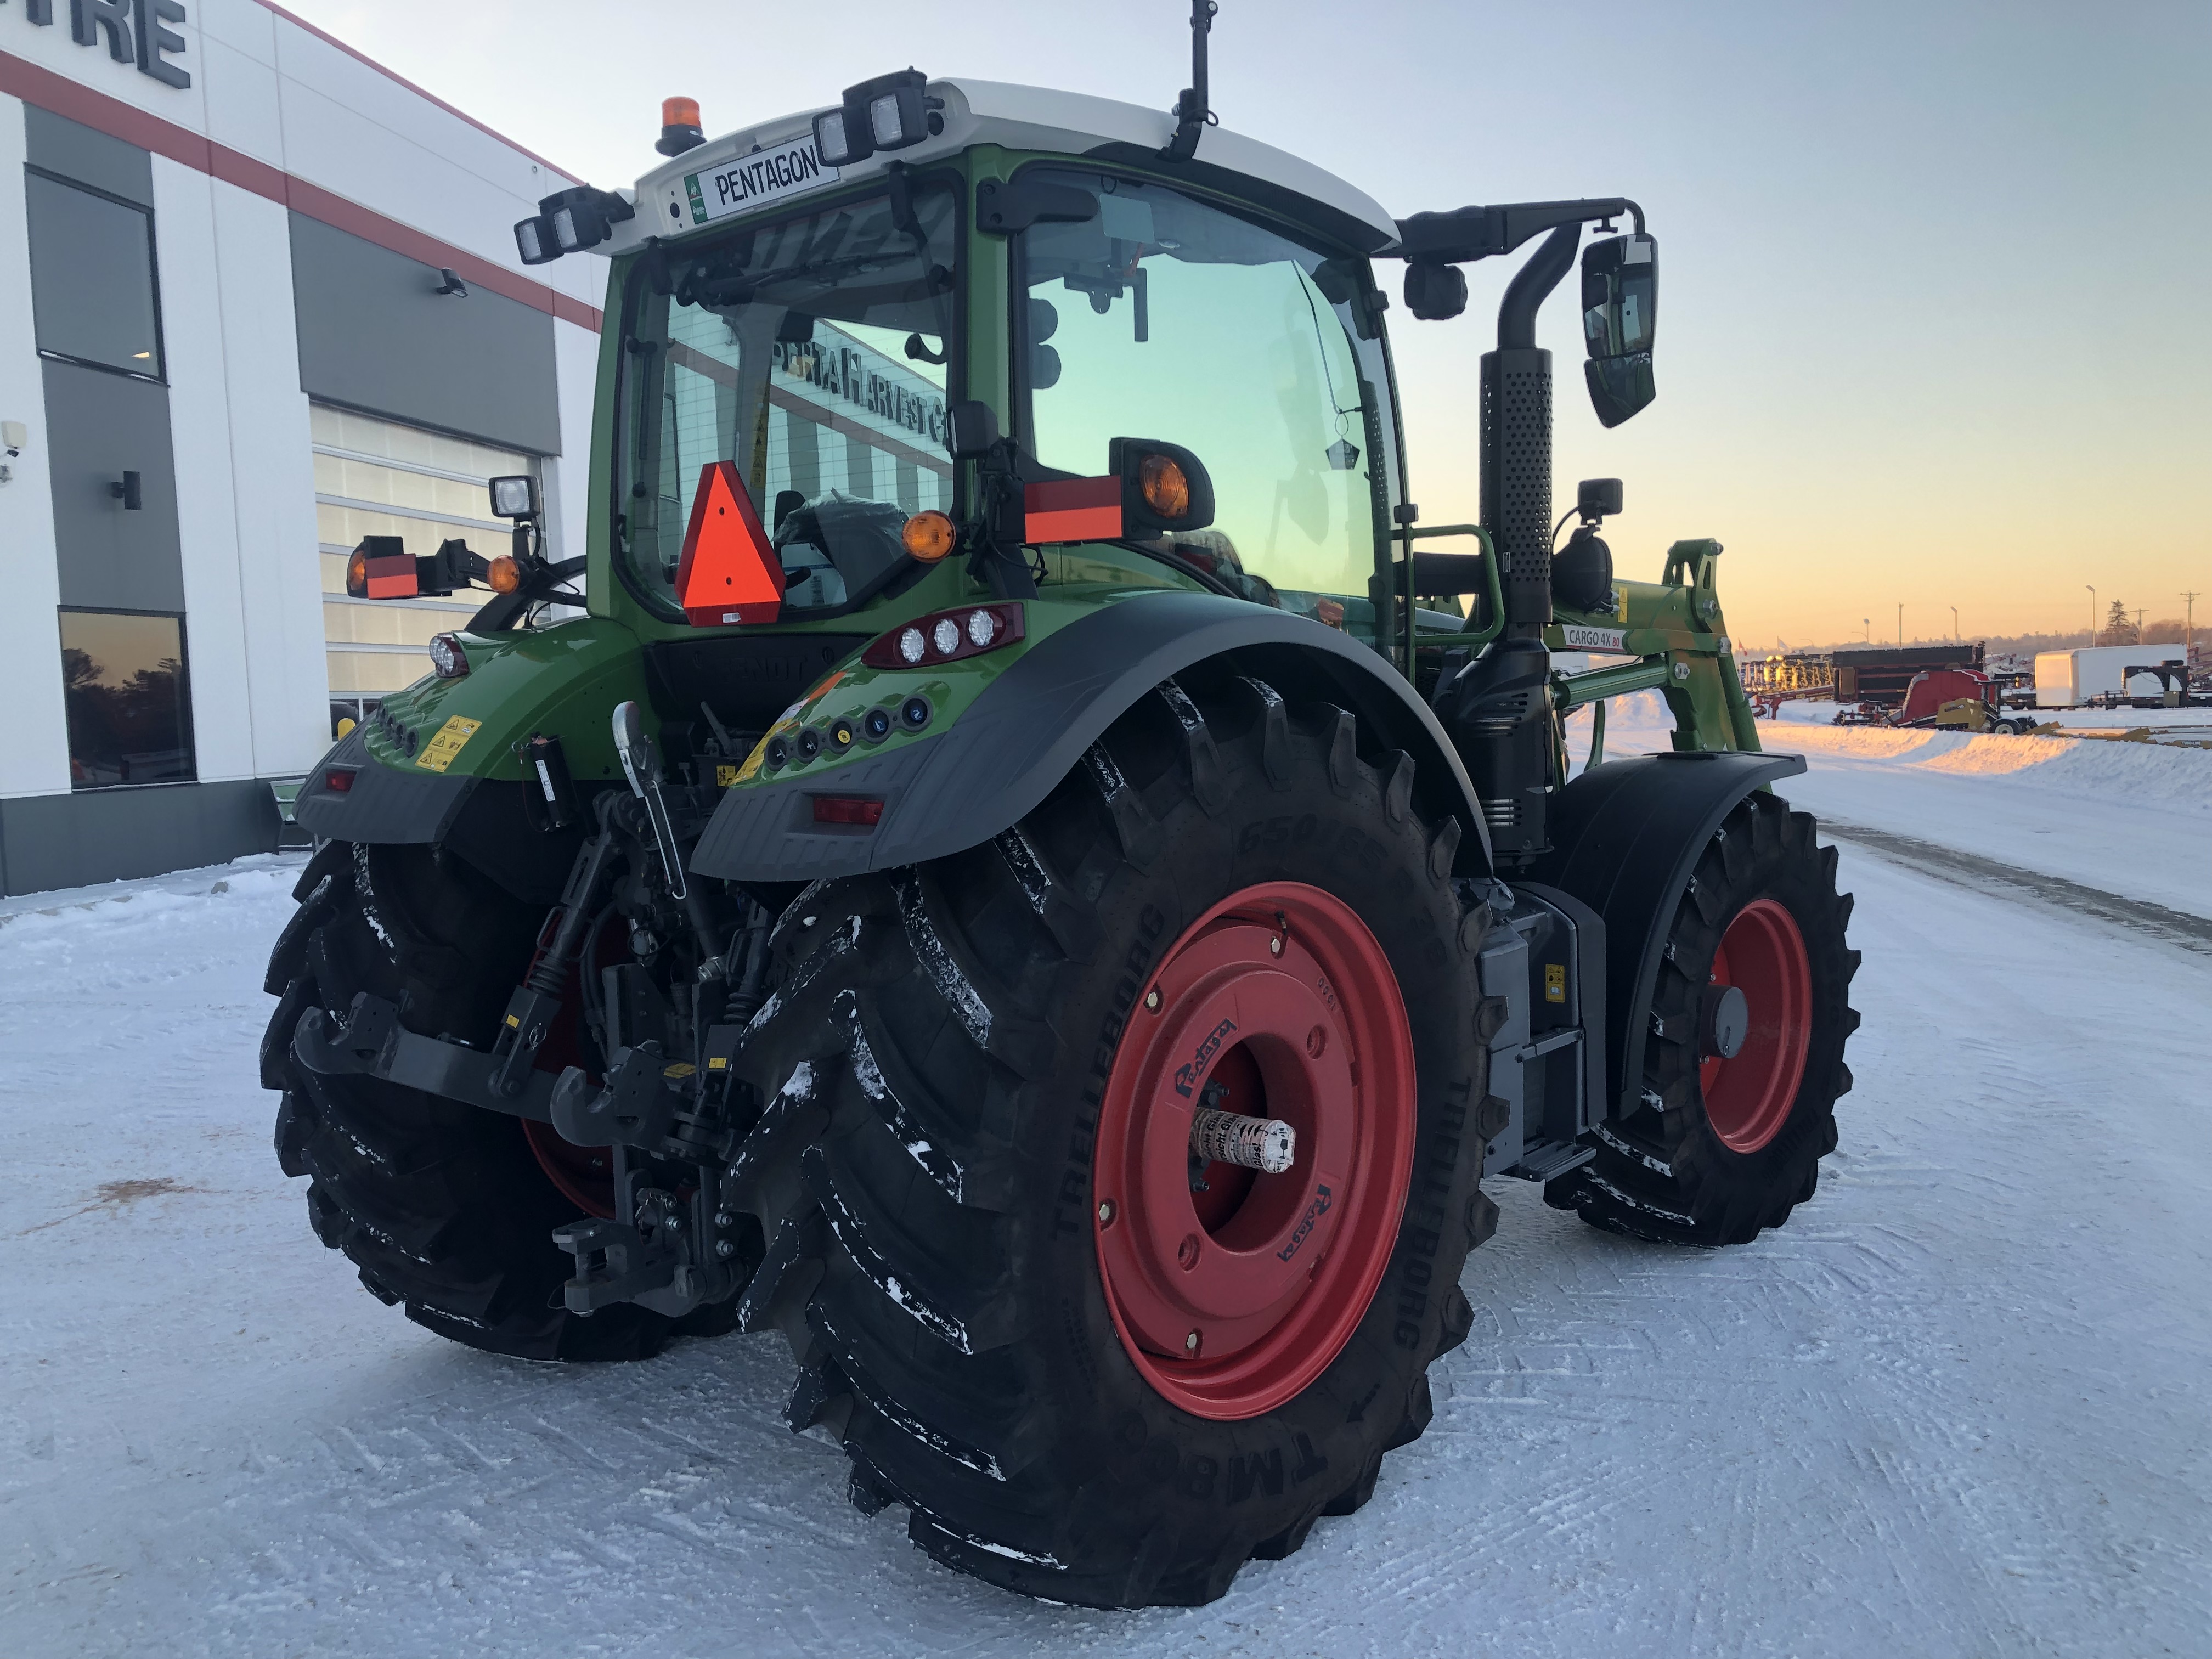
[
  {"x": 584, "y": 1174},
  {"x": 1281, "y": 994},
  {"x": 1748, "y": 1096}
]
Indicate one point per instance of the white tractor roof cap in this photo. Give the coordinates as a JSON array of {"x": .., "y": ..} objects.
[{"x": 1021, "y": 118}]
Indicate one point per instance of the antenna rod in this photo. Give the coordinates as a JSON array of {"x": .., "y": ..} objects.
[{"x": 1192, "y": 110}]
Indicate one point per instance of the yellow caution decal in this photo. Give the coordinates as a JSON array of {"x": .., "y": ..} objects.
[
  {"x": 1555, "y": 982},
  {"x": 446, "y": 743}
]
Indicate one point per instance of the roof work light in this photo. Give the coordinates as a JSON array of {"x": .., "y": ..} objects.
[
  {"x": 889, "y": 112},
  {"x": 568, "y": 222}
]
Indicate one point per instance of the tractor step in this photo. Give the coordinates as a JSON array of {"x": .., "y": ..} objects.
[{"x": 1552, "y": 1159}]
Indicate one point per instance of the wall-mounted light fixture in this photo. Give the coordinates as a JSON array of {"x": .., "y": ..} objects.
[
  {"x": 127, "y": 491},
  {"x": 452, "y": 284}
]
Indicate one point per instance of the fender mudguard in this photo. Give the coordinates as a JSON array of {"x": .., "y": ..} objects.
[
  {"x": 1027, "y": 730},
  {"x": 1625, "y": 839},
  {"x": 482, "y": 819}
]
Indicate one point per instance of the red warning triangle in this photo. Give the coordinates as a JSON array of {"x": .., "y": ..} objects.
[{"x": 729, "y": 572}]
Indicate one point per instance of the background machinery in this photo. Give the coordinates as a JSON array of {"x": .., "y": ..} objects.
[{"x": 1039, "y": 875}]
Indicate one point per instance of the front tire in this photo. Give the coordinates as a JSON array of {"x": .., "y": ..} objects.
[
  {"x": 938, "y": 1168},
  {"x": 1722, "y": 1148}
]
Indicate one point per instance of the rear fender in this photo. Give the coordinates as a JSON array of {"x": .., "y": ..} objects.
[
  {"x": 1030, "y": 726},
  {"x": 1625, "y": 837}
]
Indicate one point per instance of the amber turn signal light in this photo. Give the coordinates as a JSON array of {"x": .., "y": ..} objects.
[
  {"x": 357, "y": 574},
  {"x": 928, "y": 536},
  {"x": 1166, "y": 490},
  {"x": 502, "y": 574}
]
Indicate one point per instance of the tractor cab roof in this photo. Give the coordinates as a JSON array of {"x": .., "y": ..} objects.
[{"x": 751, "y": 168}]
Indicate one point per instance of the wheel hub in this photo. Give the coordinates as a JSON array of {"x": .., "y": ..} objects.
[{"x": 1233, "y": 1288}]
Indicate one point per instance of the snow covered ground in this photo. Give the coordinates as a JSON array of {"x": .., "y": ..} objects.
[{"x": 1957, "y": 1408}]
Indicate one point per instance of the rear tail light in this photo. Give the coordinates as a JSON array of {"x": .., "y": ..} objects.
[
  {"x": 338, "y": 780},
  {"x": 849, "y": 809},
  {"x": 946, "y": 636}
]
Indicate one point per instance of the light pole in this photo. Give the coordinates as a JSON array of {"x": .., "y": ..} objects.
[
  {"x": 1900, "y": 622},
  {"x": 1867, "y": 623},
  {"x": 1954, "y": 621},
  {"x": 2189, "y": 621},
  {"x": 2093, "y": 613}
]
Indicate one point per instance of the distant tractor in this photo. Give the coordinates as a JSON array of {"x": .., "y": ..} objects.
[{"x": 1036, "y": 876}]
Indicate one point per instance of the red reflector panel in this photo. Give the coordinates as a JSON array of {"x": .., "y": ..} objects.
[
  {"x": 392, "y": 579},
  {"x": 729, "y": 573},
  {"x": 847, "y": 809},
  {"x": 1072, "y": 510},
  {"x": 338, "y": 780}
]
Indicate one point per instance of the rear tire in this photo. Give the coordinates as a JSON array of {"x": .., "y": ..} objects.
[
  {"x": 928, "y": 1170},
  {"x": 443, "y": 1207},
  {"x": 1712, "y": 1158}
]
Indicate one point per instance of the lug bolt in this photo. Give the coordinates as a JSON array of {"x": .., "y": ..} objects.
[
  {"x": 725, "y": 1220},
  {"x": 1190, "y": 1343},
  {"x": 724, "y": 1248},
  {"x": 1105, "y": 1211},
  {"x": 1275, "y": 945},
  {"x": 1152, "y": 1000}
]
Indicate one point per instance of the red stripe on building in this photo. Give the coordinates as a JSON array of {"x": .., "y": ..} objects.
[{"x": 49, "y": 91}]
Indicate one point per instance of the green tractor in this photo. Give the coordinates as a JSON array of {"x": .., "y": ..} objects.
[{"x": 1035, "y": 873}]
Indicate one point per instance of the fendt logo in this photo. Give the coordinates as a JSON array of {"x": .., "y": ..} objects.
[
  {"x": 136, "y": 32},
  {"x": 1187, "y": 1077}
]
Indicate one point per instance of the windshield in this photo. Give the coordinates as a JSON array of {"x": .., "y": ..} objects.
[
  {"x": 811, "y": 352},
  {"x": 1164, "y": 318}
]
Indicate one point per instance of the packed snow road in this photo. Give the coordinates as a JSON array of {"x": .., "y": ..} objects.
[{"x": 1956, "y": 1407}]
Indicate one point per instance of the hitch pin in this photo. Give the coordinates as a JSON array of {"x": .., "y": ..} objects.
[{"x": 642, "y": 768}]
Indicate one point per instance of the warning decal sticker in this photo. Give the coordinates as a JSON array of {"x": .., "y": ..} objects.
[{"x": 446, "y": 743}]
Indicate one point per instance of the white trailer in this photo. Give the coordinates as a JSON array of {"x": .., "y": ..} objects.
[{"x": 2067, "y": 679}]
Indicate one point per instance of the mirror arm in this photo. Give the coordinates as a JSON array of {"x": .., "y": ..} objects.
[{"x": 1468, "y": 233}]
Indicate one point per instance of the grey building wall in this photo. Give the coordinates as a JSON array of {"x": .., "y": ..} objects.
[
  {"x": 375, "y": 335},
  {"x": 109, "y": 834},
  {"x": 98, "y": 426}
]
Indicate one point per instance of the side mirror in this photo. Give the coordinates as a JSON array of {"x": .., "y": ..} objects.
[
  {"x": 1621, "y": 307},
  {"x": 1165, "y": 488}
]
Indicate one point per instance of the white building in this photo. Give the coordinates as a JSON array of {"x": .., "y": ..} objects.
[{"x": 229, "y": 349}]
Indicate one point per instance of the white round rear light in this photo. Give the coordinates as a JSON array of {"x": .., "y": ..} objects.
[
  {"x": 982, "y": 629},
  {"x": 447, "y": 658},
  {"x": 910, "y": 645},
  {"x": 946, "y": 636}
]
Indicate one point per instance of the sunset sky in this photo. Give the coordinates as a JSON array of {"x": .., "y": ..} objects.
[{"x": 1931, "y": 330}]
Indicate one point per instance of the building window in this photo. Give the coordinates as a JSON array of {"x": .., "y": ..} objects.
[
  {"x": 92, "y": 278},
  {"x": 123, "y": 677},
  {"x": 378, "y": 478}
]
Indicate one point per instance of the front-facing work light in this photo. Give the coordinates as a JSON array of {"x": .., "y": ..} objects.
[
  {"x": 533, "y": 240},
  {"x": 833, "y": 145}
]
